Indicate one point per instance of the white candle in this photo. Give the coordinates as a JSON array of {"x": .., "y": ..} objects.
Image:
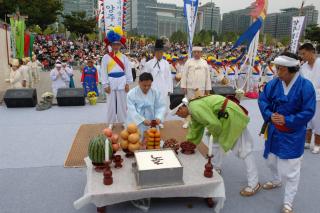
[
  {"x": 210, "y": 145},
  {"x": 106, "y": 150}
]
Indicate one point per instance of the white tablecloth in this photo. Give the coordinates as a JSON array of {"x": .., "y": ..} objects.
[{"x": 124, "y": 186}]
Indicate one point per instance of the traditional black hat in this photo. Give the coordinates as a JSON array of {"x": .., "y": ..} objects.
[{"x": 159, "y": 45}]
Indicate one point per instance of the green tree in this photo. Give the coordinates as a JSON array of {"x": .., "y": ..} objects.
[
  {"x": 178, "y": 36},
  {"x": 49, "y": 30},
  {"x": 229, "y": 37},
  {"x": 313, "y": 33},
  {"x": 204, "y": 37},
  {"x": 39, "y": 12},
  {"x": 285, "y": 41},
  {"x": 78, "y": 23}
]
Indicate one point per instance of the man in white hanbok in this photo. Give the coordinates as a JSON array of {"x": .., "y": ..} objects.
[
  {"x": 161, "y": 73},
  {"x": 59, "y": 78},
  {"x": 26, "y": 74},
  {"x": 311, "y": 71},
  {"x": 116, "y": 77},
  {"x": 15, "y": 75}
]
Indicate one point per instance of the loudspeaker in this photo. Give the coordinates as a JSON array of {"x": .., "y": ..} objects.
[
  {"x": 223, "y": 90},
  {"x": 71, "y": 97},
  {"x": 15, "y": 98}
]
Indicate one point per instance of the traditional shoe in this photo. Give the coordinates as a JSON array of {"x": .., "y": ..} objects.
[
  {"x": 316, "y": 149},
  {"x": 270, "y": 185},
  {"x": 249, "y": 191},
  {"x": 218, "y": 170},
  {"x": 287, "y": 209},
  {"x": 185, "y": 125},
  {"x": 110, "y": 126},
  {"x": 307, "y": 145}
]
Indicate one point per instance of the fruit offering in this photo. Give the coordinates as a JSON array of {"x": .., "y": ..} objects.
[
  {"x": 130, "y": 138},
  {"x": 113, "y": 138},
  {"x": 152, "y": 137},
  {"x": 96, "y": 150},
  {"x": 171, "y": 144}
]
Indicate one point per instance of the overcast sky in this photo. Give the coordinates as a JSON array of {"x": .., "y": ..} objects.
[{"x": 274, "y": 5}]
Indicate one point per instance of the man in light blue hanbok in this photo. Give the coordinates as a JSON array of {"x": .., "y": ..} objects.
[
  {"x": 287, "y": 104},
  {"x": 145, "y": 104}
]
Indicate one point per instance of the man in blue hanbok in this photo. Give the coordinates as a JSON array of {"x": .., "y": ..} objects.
[
  {"x": 145, "y": 104},
  {"x": 287, "y": 104}
]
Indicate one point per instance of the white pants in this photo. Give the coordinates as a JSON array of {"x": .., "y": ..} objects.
[
  {"x": 289, "y": 170},
  {"x": 116, "y": 106},
  {"x": 314, "y": 124},
  {"x": 243, "y": 150}
]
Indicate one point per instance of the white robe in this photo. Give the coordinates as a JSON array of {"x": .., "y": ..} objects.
[
  {"x": 26, "y": 75},
  {"x": 117, "y": 99},
  {"x": 143, "y": 107},
  {"x": 162, "y": 79},
  {"x": 59, "y": 80},
  {"x": 15, "y": 79}
]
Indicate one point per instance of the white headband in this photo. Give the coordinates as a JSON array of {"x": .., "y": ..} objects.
[
  {"x": 197, "y": 48},
  {"x": 286, "y": 61},
  {"x": 175, "y": 110}
]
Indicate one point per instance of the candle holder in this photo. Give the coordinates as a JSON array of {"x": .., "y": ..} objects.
[
  {"x": 117, "y": 161},
  {"x": 208, "y": 173},
  {"x": 107, "y": 174}
]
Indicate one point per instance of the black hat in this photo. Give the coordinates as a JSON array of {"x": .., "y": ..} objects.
[
  {"x": 159, "y": 45},
  {"x": 176, "y": 101}
]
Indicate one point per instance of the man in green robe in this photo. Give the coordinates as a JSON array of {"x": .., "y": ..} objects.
[{"x": 227, "y": 122}]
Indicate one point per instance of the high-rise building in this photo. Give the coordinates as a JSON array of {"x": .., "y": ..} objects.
[
  {"x": 143, "y": 17},
  {"x": 170, "y": 19},
  {"x": 159, "y": 19},
  {"x": 279, "y": 25},
  {"x": 236, "y": 21},
  {"x": 88, "y": 6},
  {"x": 209, "y": 17}
]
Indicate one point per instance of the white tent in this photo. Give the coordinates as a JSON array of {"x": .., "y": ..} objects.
[{"x": 4, "y": 55}]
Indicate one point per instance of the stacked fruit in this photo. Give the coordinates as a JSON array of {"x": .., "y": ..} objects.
[
  {"x": 113, "y": 138},
  {"x": 152, "y": 138},
  {"x": 130, "y": 138}
]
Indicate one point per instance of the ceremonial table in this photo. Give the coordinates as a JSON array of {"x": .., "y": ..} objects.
[{"x": 124, "y": 187}]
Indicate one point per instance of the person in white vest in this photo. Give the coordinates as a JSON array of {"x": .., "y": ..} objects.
[
  {"x": 161, "y": 73},
  {"x": 26, "y": 73},
  {"x": 196, "y": 79},
  {"x": 116, "y": 77},
  {"x": 15, "y": 75},
  {"x": 35, "y": 69},
  {"x": 311, "y": 71},
  {"x": 59, "y": 78}
]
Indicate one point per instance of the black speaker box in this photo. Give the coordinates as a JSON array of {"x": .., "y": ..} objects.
[
  {"x": 15, "y": 98},
  {"x": 223, "y": 90},
  {"x": 71, "y": 97}
]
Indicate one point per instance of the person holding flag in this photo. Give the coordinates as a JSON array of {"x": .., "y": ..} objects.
[{"x": 116, "y": 77}]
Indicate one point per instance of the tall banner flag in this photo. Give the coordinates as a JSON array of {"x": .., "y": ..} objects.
[
  {"x": 20, "y": 38},
  {"x": 296, "y": 29},
  {"x": 13, "y": 37},
  {"x": 113, "y": 13},
  {"x": 190, "y": 12}
]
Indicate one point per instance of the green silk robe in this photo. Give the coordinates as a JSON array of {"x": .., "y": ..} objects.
[{"x": 204, "y": 114}]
